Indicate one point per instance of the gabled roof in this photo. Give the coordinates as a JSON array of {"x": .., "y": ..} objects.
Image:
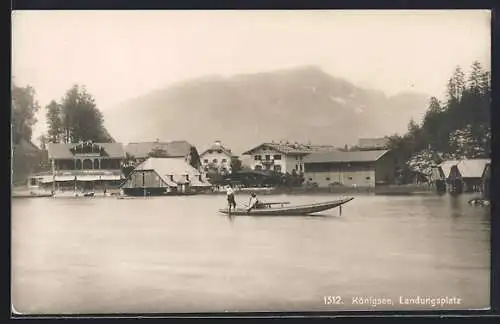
[
  {"x": 177, "y": 167},
  {"x": 63, "y": 150},
  {"x": 446, "y": 166},
  {"x": 292, "y": 148},
  {"x": 472, "y": 168},
  {"x": 26, "y": 146},
  {"x": 345, "y": 156},
  {"x": 468, "y": 168},
  {"x": 172, "y": 149},
  {"x": 218, "y": 147}
]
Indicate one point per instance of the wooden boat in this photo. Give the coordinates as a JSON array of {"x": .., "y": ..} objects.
[
  {"x": 19, "y": 195},
  {"x": 267, "y": 209}
]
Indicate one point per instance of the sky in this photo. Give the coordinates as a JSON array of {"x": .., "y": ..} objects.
[{"x": 120, "y": 55}]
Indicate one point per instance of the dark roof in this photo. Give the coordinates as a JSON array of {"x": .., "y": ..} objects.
[
  {"x": 293, "y": 148},
  {"x": 26, "y": 146},
  {"x": 63, "y": 150},
  {"x": 172, "y": 149},
  {"x": 343, "y": 156},
  {"x": 217, "y": 146}
]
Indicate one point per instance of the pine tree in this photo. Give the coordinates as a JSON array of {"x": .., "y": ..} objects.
[{"x": 54, "y": 122}]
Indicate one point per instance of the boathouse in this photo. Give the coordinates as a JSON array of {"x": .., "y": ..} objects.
[
  {"x": 463, "y": 175},
  {"x": 81, "y": 167},
  {"x": 351, "y": 168},
  {"x": 163, "y": 176}
]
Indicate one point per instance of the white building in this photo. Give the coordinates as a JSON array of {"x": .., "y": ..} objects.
[
  {"x": 216, "y": 156},
  {"x": 282, "y": 157}
]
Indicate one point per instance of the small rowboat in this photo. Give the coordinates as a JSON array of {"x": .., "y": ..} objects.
[
  {"x": 267, "y": 209},
  {"x": 31, "y": 195}
]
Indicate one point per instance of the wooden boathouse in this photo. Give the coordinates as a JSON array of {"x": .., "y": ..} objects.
[{"x": 158, "y": 176}]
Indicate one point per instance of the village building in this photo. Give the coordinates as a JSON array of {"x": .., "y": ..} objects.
[
  {"x": 218, "y": 157},
  {"x": 350, "y": 168},
  {"x": 282, "y": 157},
  {"x": 164, "y": 176},
  {"x": 81, "y": 166},
  {"x": 138, "y": 152},
  {"x": 462, "y": 175}
]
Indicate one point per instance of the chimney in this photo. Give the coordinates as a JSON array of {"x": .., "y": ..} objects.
[{"x": 217, "y": 142}]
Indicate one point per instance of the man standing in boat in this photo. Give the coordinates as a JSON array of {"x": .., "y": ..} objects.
[{"x": 230, "y": 197}]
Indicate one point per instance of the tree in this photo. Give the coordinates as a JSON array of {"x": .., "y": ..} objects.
[
  {"x": 194, "y": 158},
  {"x": 54, "y": 123},
  {"x": 236, "y": 164},
  {"x": 81, "y": 120},
  {"x": 24, "y": 108},
  {"x": 43, "y": 142},
  {"x": 457, "y": 128}
]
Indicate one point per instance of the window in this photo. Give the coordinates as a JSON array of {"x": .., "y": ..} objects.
[
  {"x": 257, "y": 158},
  {"x": 301, "y": 167},
  {"x": 33, "y": 181},
  {"x": 214, "y": 160},
  {"x": 310, "y": 179},
  {"x": 205, "y": 161},
  {"x": 327, "y": 179},
  {"x": 268, "y": 157},
  {"x": 350, "y": 178},
  {"x": 367, "y": 178},
  {"x": 277, "y": 156},
  {"x": 224, "y": 160},
  {"x": 296, "y": 167},
  {"x": 258, "y": 167},
  {"x": 277, "y": 168}
]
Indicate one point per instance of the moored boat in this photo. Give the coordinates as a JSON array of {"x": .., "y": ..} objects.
[
  {"x": 267, "y": 209},
  {"x": 29, "y": 195}
]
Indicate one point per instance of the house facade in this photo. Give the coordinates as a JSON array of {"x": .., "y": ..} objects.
[
  {"x": 217, "y": 156},
  {"x": 282, "y": 157},
  {"x": 164, "y": 176},
  {"x": 82, "y": 166},
  {"x": 351, "y": 168},
  {"x": 138, "y": 152}
]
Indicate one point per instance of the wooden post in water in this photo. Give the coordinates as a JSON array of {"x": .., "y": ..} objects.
[{"x": 53, "y": 177}]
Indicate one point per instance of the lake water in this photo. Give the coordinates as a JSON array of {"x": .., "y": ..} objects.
[{"x": 177, "y": 254}]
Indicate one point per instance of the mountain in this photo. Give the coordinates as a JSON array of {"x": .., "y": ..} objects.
[{"x": 303, "y": 104}]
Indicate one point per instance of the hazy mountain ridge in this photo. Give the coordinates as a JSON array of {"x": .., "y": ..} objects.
[{"x": 302, "y": 104}]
